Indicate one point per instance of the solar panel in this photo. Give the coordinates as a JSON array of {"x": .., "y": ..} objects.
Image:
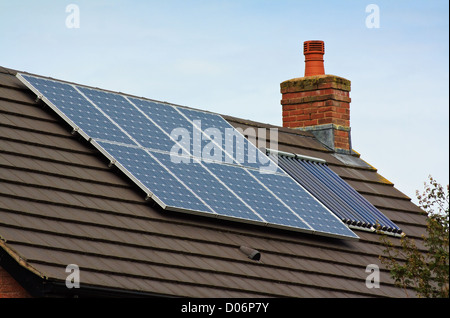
[
  {"x": 256, "y": 195},
  {"x": 235, "y": 147},
  {"x": 212, "y": 190},
  {"x": 139, "y": 137},
  {"x": 131, "y": 119},
  {"x": 158, "y": 182},
  {"x": 169, "y": 121},
  {"x": 342, "y": 199},
  {"x": 75, "y": 109},
  {"x": 310, "y": 210}
]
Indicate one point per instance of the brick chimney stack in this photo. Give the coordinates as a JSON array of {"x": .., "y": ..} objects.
[{"x": 318, "y": 102}]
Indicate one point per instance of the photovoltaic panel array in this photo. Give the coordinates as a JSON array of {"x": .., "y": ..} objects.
[
  {"x": 184, "y": 160},
  {"x": 335, "y": 193}
]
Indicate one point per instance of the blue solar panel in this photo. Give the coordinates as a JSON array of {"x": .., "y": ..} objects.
[
  {"x": 130, "y": 119},
  {"x": 336, "y": 194},
  {"x": 135, "y": 134},
  {"x": 257, "y": 196},
  {"x": 238, "y": 149},
  {"x": 76, "y": 108},
  {"x": 151, "y": 174},
  {"x": 172, "y": 123},
  {"x": 212, "y": 191},
  {"x": 209, "y": 135}
]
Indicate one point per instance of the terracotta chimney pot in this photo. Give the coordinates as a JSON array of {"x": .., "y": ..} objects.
[{"x": 314, "y": 51}]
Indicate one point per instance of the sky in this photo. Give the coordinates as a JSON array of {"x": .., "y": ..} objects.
[{"x": 230, "y": 57}]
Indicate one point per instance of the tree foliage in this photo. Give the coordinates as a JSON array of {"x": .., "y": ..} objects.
[{"x": 426, "y": 269}]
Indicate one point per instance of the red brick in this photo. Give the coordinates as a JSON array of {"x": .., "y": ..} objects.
[
  {"x": 293, "y": 124},
  {"x": 341, "y": 133},
  {"x": 325, "y": 85},
  {"x": 341, "y": 122},
  {"x": 9, "y": 287},
  {"x": 303, "y": 117},
  {"x": 326, "y": 91},
  {"x": 319, "y": 104},
  {"x": 312, "y": 122},
  {"x": 324, "y": 121},
  {"x": 344, "y": 116},
  {"x": 297, "y": 124},
  {"x": 342, "y": 145},
  {"x": 289, "y": 107},
  {"x": 326, "y": 109},
  {"x": 300, "y": 94},
  {"x": 289, "y": 118},
  {"x": 342, "y": 110},
  {"x": 317, "y": 115},
  {"x": 297, "y": 112},
  {"x": 341, "y": 139}
]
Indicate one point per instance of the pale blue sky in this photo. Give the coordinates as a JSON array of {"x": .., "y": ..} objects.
[{"x": 231, "y": 56}]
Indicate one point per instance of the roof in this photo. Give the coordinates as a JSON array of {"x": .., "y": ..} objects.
[{"x": 60, "y": 204}]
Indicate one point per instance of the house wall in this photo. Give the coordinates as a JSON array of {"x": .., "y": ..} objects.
[{"x": 9, "y": 287}]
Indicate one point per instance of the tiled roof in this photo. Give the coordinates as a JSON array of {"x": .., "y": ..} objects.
[{"x": 60, "y": 204}]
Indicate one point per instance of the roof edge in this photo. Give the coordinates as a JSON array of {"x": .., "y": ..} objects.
[{"x": 20, "y": 261}]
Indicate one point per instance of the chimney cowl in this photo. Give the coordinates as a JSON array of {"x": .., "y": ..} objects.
[
  {"x": 318, "y": 103},
  {"x": 314, "y": 51}
]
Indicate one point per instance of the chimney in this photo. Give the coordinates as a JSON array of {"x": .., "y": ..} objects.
[{"x": 318, "y": 102}]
